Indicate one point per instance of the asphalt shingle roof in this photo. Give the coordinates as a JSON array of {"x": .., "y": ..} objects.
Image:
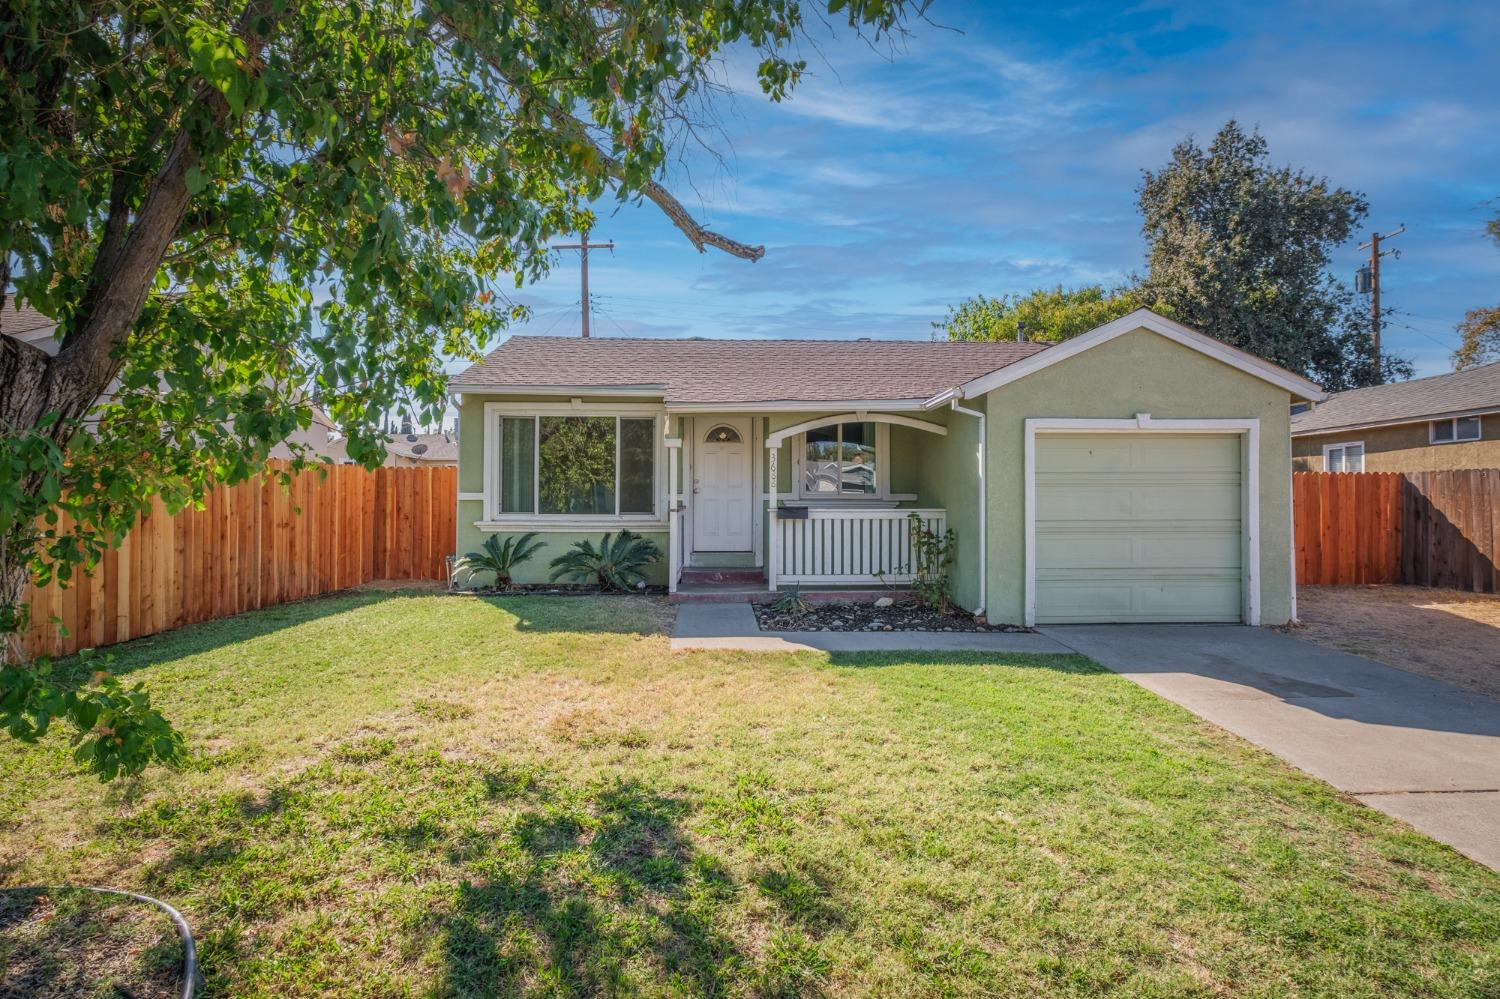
[
  {"x": 1418, "y": 399},
  {"x": 744, "y": 371},
  {"x": 16, "y": 320},
  {"x": 424, "y": 447}
]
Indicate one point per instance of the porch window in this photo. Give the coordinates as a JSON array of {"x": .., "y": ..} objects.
[
  {"x": 588, "y": 466},
  {"x": 840, "y": 460}
]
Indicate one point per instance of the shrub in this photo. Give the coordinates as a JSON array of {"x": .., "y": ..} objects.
[
  {"x": 791, "y": 602},
  {"x": 501, "y": 558},
  {"x": 933, "y": 553},
  {"x": 617, "y": 564}
]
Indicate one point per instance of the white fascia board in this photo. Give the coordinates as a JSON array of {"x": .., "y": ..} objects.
[
  {"x": 641, "y": 391},
  {"x": 1298, "y": 386},
  {"x": 795, "y": 406},
  {"x": 944, "y": 397}
]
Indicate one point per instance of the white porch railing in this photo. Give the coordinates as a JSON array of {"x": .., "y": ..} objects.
[{"x": 847, "y": 546}]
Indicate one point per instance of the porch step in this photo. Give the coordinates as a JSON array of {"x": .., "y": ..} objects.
[
  {"x": 691, "y": 575},
  {"x": 720, "y": 593},
  {"x": 737, "y": 593}
]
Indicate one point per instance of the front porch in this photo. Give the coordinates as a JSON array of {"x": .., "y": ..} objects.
[{"x": 758, "y": 502}]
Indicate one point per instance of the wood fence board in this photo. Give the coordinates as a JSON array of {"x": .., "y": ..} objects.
[
  {"x": 249, "y": 547},
  {"x": 1422, "y": 528}
]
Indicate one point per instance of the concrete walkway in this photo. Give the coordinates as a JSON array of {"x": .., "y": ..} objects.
[
  {"x": 1422, "y": 751},
  {"x": 733, "y": 626}
]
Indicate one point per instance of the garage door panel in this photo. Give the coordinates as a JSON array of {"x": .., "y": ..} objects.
[
  {"x": 1186, "y": 454},
  {"x": 1088, "y": 455},
  {"x": 1092, "y": 454},
  {"x": 1139, "y": 600},
  {"x": 1090, "y": 501},
  {"x": 1138, "y": 527},
  {"x": 1122, "y": 548}
]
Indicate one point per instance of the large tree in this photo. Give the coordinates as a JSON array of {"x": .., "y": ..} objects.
[
  {"x": 238, "y": 210},
  {"x": 1240, "y": 248},
  {"x": 1046, "y": 314},
  {"x": 1480, "y": 328}
]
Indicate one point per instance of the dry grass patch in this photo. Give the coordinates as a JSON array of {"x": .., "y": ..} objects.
[{"x": 1447, "y": 635}]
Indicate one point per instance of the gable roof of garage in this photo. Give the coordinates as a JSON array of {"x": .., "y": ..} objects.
[{"x": 1294, "y": 383}]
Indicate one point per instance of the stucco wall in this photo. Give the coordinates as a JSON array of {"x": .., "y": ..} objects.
[
  {"x": 1139, "y": 372},
  {"x": 1404, "y": 448},
  {"x": 950, "y": 471},
  {"x": 471, "y": 480}
]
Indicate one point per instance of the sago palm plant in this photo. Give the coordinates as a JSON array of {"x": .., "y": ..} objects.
[
  {"x": 617, "y": 564},
  {"x": 501, "y": 558}
]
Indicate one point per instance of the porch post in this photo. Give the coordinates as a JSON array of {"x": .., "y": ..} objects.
[
  {"x": 773, "y": 557},
  {"x": 674, "y": 544}
]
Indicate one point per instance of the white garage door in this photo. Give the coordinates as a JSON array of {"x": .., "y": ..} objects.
[{"x": 1138, "y": 527}]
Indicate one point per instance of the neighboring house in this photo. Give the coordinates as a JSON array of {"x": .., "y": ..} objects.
[
  {"x": 321, "y": 440},
  {"x": 1427, "y": 424},
  {"x": 1139, "y": 472},
  {"x": 423, "y": 450},
  {"x": 29, "y": 326}
]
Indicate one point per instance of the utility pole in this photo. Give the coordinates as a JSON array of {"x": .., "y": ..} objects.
[
  {"x": 1374, "y": 282},
  {"x": 583, "y": 246}
]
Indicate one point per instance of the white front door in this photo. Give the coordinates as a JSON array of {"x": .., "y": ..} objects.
[{"x": 721, "y": 487}]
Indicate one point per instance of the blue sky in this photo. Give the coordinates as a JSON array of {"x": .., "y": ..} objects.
[{"x": 1001, "y": 151}]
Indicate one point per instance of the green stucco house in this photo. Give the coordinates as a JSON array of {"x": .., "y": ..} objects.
[{"x": 1139, "y": 472}]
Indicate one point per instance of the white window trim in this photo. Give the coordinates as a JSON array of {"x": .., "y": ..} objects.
[
  {"x": 1343, "y": 446},
  {"x": 1452, "y": 421},
  {"x": 1144, "y": 423},
  {"x": 882, "y": 468},
  {"x": 494, "y": 520}
]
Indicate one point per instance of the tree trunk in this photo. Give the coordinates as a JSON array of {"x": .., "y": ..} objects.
[{"x": 65, "y": 387}]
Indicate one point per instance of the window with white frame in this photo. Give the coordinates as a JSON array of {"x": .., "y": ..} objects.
[
  {"x": 843, "y": 460},
  {"x": 1460, "y": 428},
  {"x": 1346, "y": 457},
  {"x": 576, "y": 465}
]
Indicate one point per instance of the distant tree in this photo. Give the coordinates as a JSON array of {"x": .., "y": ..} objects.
[
  {"x": 1480, "y": 328},
  {"x": 1049, "y": 314},
  {"x": 1240, "y": 249}
]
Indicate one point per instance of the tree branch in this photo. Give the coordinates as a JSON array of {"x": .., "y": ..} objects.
[{"x": 699, "y": 235}]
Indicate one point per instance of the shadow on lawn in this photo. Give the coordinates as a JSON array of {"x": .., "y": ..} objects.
[
  {"x": 524, "y": 888},
  {"x": 586, "y": 908}
]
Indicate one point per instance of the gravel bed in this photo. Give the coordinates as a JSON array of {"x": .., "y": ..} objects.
[{"x": 868, "y": 617}]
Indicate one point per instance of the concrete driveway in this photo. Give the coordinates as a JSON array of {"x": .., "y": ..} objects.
[{"x": 1418, "y": 749}]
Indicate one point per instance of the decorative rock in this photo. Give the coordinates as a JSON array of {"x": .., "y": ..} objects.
[{"x": 884, "y": 602}]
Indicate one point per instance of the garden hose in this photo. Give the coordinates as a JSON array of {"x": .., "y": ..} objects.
[{"x": 184, "y": 932}]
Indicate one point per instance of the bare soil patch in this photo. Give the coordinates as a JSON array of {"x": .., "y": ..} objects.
[{"x": 1448, "y": 635}]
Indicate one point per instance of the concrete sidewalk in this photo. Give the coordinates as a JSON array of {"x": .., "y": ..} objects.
[
  {"x": 1422, "y": 751},
  {"x": 733, "y": 626}
]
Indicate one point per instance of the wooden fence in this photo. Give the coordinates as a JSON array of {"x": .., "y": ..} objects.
[
  {"x": 1422, "y": 528},
  {"x": 254, "y": 545}
]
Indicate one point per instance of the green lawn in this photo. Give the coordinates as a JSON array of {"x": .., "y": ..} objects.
[{"x": 423, "y": 795}]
